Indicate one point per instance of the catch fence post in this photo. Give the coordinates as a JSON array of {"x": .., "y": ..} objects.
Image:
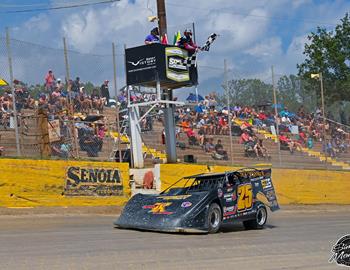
[
  {"x": 116, "y": 99},
  {"x": 229, "y": 111},
  {"x": 9, "y": 55},
  {"x": 276, "y": 115}
]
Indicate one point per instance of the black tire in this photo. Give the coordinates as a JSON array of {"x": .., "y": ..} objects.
[
  {"x": 259, "y": 221},
  {"x": 214, "y": 218}
]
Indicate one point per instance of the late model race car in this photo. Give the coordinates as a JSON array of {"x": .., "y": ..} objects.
[{"x": 202, "y": 203}]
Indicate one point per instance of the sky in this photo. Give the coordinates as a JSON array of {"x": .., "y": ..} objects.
[{"x": 254, "y": 35}]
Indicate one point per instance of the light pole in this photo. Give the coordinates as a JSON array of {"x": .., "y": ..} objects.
[{"x": 320, "y": 77}]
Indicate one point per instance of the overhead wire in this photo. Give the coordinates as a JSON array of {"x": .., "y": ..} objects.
[{"x": 57, "y": 7}]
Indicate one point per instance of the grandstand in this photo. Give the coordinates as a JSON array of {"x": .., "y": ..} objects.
[{"x": 154, "y": 149}]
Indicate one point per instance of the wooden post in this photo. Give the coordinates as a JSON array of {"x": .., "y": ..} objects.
[{"x": 44, "y": 140}]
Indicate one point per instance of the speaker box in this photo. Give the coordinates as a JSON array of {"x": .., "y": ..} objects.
[{"x": 189, "y": 159}]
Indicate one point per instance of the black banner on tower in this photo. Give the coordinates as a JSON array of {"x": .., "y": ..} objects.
[{"x": 146, "y": 64}]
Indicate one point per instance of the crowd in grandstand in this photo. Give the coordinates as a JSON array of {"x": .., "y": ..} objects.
[
  {"x": 55, "y": 100},
  {"x": 296, "y": 130},
  {"x": 200, "y": 122}
]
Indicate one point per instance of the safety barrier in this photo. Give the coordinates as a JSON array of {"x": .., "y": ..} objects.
[
  {"x": 33, "y": 183},
  {"x": 292, "y": 186}
]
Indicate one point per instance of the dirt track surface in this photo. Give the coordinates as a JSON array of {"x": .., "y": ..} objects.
[{"x": 295, "y": 238}]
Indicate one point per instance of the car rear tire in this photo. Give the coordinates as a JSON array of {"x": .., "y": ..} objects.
[
  {"x": 214, "y": 218},
  {"x": 259, "y": 221}
]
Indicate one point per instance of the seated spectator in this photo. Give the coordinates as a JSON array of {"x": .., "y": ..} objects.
[
  {"x": 310, "y": 143},
  {"x": 60, "y": 149},
  {"x": 219, "y": 153},
  {"x": 201, "y": 136},
  {"x": 101, "y": 132},
  {"x": 209, "y": 145},
  {"x": 260, "y": 149},
  {"x": 328, "y": 149},
  {"x": 192, "y": 138},
  {"x": 97, "y": 101},
  {"x": 89, "y": 142},
  {"x": 43, "y": 102},
  {"x": 244, "y": 137},
  {"x": 285, "y": 142},
  {"x": 302, "y": 137},
  {"x": 237, "y": 110},
  {"x": 85, "y": 104},
  {"x": 291, "y": 144},
  {"x": 223, "y": 126}
]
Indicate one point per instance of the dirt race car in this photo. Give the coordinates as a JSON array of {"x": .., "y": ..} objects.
[{"x": 202, "y": 203}]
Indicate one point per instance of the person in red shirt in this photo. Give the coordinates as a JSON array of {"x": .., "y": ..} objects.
[
  {"x": 223, "y": 126},
  {"x": 50, "y": 81},
  {"x": 187, "y": 43},
  {"x": 244, "y": 137},
  {"x": 262, "y": 116}
]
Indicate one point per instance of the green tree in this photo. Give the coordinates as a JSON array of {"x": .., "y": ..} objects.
[
  {"x": 248, "y": 92},
  {"x": 329, "y": 52}
]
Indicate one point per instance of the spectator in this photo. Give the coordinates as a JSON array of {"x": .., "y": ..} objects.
[
  {"x": 260, "y": 149},
  {"x": 328, "y": 148},
  {"x": 43, "y": 102},
  {"x": 310, "y": 142},
  {"x": 75, "y": 87},
  {"x": 105, "y": 92},
  {"x": 153, "y": 37},
  {"x": 244, "y": 137},
  {"x": 208, "y": 145},
  {"x": 49, "y": 81},
  {"x": 219, "y": 153},
  {"x": 192, "y": 138},
  {"x": 97, "y": 101},
  {"x": 187, "y": 43},
  {"x": 59, "y": 85}
]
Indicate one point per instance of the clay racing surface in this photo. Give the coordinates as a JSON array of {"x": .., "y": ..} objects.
[{"x": 295, "y": 238}]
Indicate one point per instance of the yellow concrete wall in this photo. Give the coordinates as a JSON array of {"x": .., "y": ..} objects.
[
  {"x": 32, "y": 183},
  {"x": 292, "y": 186}
]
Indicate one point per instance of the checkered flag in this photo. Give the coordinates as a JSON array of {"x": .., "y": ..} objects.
[
  {"x": 190, "y": 61},
  {"x": 209, "y": 41}
]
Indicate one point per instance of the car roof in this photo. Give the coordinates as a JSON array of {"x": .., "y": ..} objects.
[{"x": 205, "y": 176}]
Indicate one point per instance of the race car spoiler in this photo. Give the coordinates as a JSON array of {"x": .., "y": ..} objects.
[{"x": 263, "y": 188}]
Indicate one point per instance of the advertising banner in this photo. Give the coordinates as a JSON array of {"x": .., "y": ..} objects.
[
  {"x": 54, "y": 130},
  {"x": 175, "y": 69},
  {"x": 149, "y": 63},
  {"x": 93, "y": 181}
]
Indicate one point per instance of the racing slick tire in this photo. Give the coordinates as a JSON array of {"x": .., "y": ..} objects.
[
  {"x": 214, "y": 218},
  {"x": 259, "y": 221}
]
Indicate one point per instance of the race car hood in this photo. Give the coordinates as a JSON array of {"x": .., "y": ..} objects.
[{"x": 164, "y": 213}]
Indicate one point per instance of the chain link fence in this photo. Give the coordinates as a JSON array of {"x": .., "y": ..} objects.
[{"x": 58, "y": 116}]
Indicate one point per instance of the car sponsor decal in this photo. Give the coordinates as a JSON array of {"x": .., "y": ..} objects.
[
  {"x": 158, "y": 208},
  {"x": 176, "y": 197},
  {"x": 228, "y": 211},
  {"x": 229, "y": 197},
  {"x": 186, "y": 204},
  {"x": 266, "y": 183},
  {"x": 245, "y": 197}
]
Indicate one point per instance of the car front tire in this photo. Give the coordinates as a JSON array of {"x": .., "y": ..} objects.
[
  {"x": 259, "y": 221},
  {"x": 214, "y": 218}
]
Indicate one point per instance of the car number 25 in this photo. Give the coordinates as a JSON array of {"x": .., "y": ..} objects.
[{"x": 245, "y": 197}]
